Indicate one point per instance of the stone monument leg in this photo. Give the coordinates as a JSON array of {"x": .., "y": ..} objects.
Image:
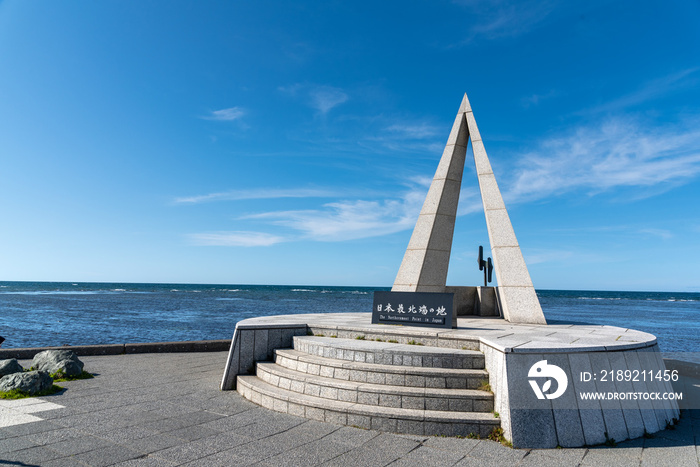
[
  {"x": 517, "y": 295},
  {"x": 424, "y": 265}
]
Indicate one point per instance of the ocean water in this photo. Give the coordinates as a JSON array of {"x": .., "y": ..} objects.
[{"x": 36, "y": 314}]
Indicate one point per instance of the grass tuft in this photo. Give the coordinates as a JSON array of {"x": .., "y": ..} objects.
[
  {"x": 485, "y": 386},
  {"x": 609, "y": 441},
  {"x": 497, "y": 435},
  {"x": 360, "y": 338},
  {"x": 413, "y": 342},
  {"x": 59, "y": 376},
  {"x": 18, "y": 394}
]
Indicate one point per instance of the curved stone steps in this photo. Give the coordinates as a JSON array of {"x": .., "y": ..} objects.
[
  {"x": 392, "y": 419},
  {"x": 394, "y": 375},
  {"x": 421, "y": 398},
  {"x": 386, "y": 353}
]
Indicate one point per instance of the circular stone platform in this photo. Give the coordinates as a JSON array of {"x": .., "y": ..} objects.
[{"x": 576, "y": 358}]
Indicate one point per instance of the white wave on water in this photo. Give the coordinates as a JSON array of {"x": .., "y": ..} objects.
[
  {"x": 304, "y": 290},
  {"x": 53, "y": 292},
  {"x": 598, "y": 298}
]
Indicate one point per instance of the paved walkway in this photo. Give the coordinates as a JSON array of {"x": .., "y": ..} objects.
[{"x": 166, "y": 410}]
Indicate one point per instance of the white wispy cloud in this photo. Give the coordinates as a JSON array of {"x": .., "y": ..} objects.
[
  {"x": 650, "y": 90},
  {"x": 617, "y": 153},
  {"x": 535, "y": 99},
  {"x": 236, "y": 238},
  {"x": 402, "y": 135},
  {"x": 494, "y": 19},
  {"x": 259, "y": 193},
  {"x": 413, "y": 130},
  {"x": 352, "y": 219},
  {"x": 226, "y": 115},
  {"x": 322, "y": 98},
  {"x": 661, "y": 233},
  {"x": 548, "y": 256}
]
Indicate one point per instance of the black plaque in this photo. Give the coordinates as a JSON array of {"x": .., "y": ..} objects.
[{"x": 425, "y": 309}]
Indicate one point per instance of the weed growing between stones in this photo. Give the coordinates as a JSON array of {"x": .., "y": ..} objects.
[
  {"x": 59, "y": 376},
  {"x": 19, "y": 394},
  {"x": 485, "y": 386},
  {"x": 413, "y": 342},
  {"x": 497, "y": 435},
  {"x": 393, "y": 341},
  {"x": 495, "y": 414},
  {"x": 609, "y": 441},
  {"x": 320, "y": 335},
  {"x": 360, "y": 338}
]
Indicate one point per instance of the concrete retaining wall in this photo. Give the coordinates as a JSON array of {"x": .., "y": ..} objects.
[{"x": 118, "y": 349}]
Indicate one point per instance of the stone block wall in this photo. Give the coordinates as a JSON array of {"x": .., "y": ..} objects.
[
  {"x": 253, "y": 344},
  {"x": 570, "y": 420}
]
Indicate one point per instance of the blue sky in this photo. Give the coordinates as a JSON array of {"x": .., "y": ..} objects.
[{"x": 293, "y": 142}]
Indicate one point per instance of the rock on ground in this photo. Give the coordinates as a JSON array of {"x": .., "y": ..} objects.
[
  {"x": 31, "y": 382},
  {"x": 10, "y": 366},
  {"x": 55, "y": 361}
]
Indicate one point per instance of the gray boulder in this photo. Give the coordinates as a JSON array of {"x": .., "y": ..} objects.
[
  {"x": 8, "y": 367},
  {"x": 55, "y": 361},
  {"x": 31, "y": 382}
]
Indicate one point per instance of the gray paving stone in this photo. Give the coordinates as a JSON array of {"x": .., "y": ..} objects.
[
  {"x": 351, "y": 436},
  {"x": 154, "y": 443},
  {"x": 108, "y": 455},
  {"x": 78, "y": 445},
  {"x": 313, "y": 453},
  {"x": 459, "y": 445},
  {"x": 202, "y": 448},
  {"x": 28, "y": 428},
  {"x": 488, "y": 462},
  {"x": 17, "y": 443},
  {"x": 36, "y": 455},
  {"x": 670, "y": 454},
  {"x": 553, "y": 458},
  {"x": 379, "y": 450},
  {"x": 617, "y": 456},
  {"x": 62, "y": 462},
  {"x": 493, "y": 450},
  {"x": 123, "y": 436},
  {"x": 425, "y": 455},
  {"x": 48, "y": 437},
  {"x": 149, "y": 461}
]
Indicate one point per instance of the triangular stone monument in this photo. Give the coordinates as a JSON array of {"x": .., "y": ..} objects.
[{"x": 425, "y": 263}]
